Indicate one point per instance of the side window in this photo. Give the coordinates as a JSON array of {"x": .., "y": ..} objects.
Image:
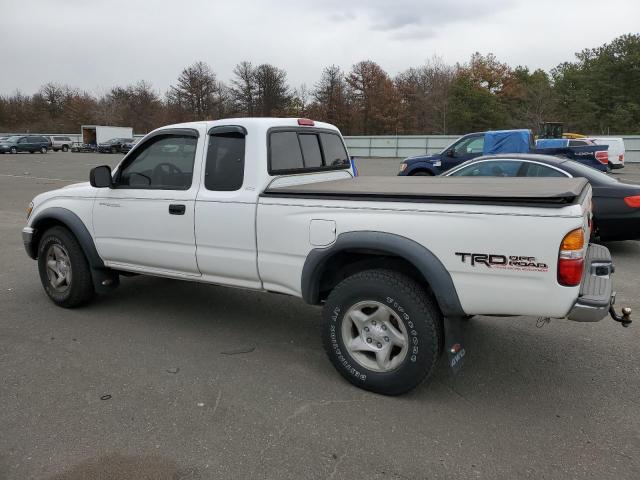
[
  {"x": 285, "y": 151},
  {"x": 23, "y": 140},
  {"x": 225, "y": 162},
  {"x": 470, "y": 145},
  {"x": 311, "y": 153},
  {"x": 334, "y": 151},
  {"x": 165, "y": 162},
  {"x": 490, "y": 169},
  {"x": 577, "y": 143},
  {"x": 537, "y": 170}
]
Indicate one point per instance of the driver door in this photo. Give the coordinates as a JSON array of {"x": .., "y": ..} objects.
[
  {"x": 469, "y": 147},
  {"x": 146, "y": 221}
]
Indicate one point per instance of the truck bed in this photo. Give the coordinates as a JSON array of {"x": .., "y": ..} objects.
[{"x": 539, "y": 192}]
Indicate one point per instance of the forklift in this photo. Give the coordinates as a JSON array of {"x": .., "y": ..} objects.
[{"x": 556, "y": 130}]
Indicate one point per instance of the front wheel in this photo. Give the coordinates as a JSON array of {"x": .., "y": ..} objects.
[
  {"x": 43, "y": 150},
  {"x": 14, "y": 150},
  {"x": 65, "y": 148},
  {"x": 64, "y": 270},
  {"x": 421, "y": 173},
  {"x": 382, "y": 332}
]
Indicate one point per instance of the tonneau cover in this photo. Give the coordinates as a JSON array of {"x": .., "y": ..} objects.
[{"x": 493, "y": 190}]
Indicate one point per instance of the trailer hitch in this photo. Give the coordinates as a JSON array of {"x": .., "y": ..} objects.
[{"x": 624, "y": 319}]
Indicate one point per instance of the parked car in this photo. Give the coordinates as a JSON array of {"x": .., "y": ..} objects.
[
  {"x": 25, "y": 143},
  {"x": 60, "y": 143},
  {"x": 397, "y": 263},
  {"x": 616, "y": 150},
  {"x": 113, "y": 146},
  {"x": 79, "y": 147},
  {"x": 475, "y": 145},
  {"x": 616, "y": 205},
  {"x": 127, "y": 146}
]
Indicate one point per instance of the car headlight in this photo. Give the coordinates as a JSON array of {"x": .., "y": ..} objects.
[
  {"x": 437, "y": 163},
  {"x": 29, "y": 210},
  {"x": 403, "y": 167}
]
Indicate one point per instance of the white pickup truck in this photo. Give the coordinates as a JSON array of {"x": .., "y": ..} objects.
[{"x": 272, "y": 204}]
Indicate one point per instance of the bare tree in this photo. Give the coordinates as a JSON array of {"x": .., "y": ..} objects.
[
  {"x": 272, "y": 90},
  {"x": 244, "y": 88},
  {"x": 195, "y": 91},
  {"x": 330, "y": 95}
]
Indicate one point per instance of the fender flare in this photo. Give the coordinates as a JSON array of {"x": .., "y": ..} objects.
[
  {"x": 419, "y": 256},
  {"x": 75, "y": 225}
]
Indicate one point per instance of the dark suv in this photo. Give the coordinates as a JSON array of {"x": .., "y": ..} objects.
[{"x": 25, "y": 143}]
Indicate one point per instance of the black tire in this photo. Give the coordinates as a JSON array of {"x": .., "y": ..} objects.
[
  {"x": 13, "y": 150},
  {"x": 114, "y": 150},
  {"x": 421, "y": 173},
  {"x": 80, "y": 287},
  {"x": 43, "y": 150},
  {"x": 65, "y": 148},
  {"x": 410, "y": 304}
]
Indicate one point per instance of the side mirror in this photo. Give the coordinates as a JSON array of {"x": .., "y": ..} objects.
[
  {"x": 100, "y": 177},
  {"x": 451, "y": 152}
]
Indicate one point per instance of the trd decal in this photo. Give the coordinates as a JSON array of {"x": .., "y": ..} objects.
[{"x": 511, "y": 262}]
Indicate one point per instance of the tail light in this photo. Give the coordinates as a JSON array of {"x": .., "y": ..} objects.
[
  {"x": 306, "y": 122},
  {"x": 571, "y": 258},
  {"x": 633, "y": 202},
  {"x": 621, "y": 158},
  {"x": 602, "y": 157}
]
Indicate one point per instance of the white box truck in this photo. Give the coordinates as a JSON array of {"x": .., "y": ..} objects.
[{"x": 96, "y": 134}]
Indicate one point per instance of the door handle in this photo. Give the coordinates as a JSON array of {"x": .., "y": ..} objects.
[{"x": 177, "y": 209}]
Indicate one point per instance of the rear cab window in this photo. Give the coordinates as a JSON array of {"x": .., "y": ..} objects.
[{"x": 299, "y": 150}]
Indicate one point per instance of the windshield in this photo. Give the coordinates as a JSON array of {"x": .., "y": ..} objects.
[{"x": 13, "y": 139}]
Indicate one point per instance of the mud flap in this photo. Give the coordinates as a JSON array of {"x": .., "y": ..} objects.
[{"x": 453, "y": 343}]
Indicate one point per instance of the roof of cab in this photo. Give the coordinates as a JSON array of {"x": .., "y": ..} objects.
[{"x": 251, "y": 122}]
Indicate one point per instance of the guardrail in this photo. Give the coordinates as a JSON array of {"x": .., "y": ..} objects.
[{"x": 403, "y": 146}]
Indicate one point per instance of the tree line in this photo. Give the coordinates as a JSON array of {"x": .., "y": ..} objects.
[{"x": 596, "y": 93}]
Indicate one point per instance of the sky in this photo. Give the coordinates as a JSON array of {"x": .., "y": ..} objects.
[{"x": 95, "y": 45}]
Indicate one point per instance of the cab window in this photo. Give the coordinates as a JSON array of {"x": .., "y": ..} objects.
[
  {"x": 164, "y": 163},
  {"x": 224, "y": 170},
  {"x": 469, "y": 146},
  {"x": 299, "y": 150}
]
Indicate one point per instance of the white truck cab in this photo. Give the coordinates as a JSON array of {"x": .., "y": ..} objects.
[{"x": 272, "y": 204}]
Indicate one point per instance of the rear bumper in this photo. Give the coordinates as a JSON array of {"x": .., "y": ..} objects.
[{"x": 596, "y": 289}]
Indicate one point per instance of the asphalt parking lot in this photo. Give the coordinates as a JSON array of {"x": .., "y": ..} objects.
[{"x": 164, "y": 379}]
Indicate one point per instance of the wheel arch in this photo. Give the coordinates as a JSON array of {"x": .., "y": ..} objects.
[
  {"x": 58, "y": 216},
  {"x": 356, "y": 251}
]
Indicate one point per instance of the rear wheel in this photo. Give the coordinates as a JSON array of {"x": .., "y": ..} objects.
[
  {"x": 64, "y": 270},
  {"x": 114, "y": 150},
  {"x": 65, "y": 148},
  {"x": 382, "y": 332}
]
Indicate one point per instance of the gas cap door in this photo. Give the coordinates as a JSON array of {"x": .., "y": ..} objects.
[{"x": 322, "y": 232}]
